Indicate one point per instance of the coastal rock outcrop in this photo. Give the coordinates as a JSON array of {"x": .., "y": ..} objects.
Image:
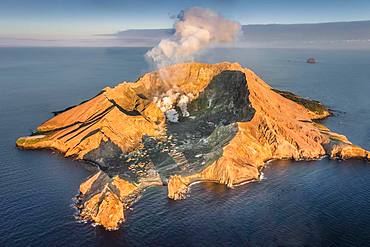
[
  {"x": 183, "y": 124},
  {"x": 311, "y": 60}
]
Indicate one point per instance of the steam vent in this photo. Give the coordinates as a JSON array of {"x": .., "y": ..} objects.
[{"x": 183, "y": 124}]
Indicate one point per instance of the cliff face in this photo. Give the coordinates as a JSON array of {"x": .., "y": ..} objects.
[{"x": 181, "y": 124}]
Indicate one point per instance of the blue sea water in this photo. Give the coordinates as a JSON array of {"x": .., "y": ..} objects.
[{"x": 318, "y": 203}]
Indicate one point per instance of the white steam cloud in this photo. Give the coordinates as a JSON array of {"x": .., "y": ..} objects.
[{"x": 195, "y": 29}]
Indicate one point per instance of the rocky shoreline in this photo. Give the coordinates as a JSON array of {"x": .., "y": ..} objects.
[{"x": 182, "y": 124}]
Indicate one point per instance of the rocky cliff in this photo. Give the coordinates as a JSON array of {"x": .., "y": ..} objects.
[{"x": 182, "y": 124}]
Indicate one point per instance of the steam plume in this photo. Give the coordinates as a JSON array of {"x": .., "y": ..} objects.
[{"x": 195, "y": 29}]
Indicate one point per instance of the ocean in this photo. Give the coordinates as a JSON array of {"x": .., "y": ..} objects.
[{"x": 316, "y": 203}]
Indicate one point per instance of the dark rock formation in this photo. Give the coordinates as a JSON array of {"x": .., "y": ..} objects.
[{"x": 311, "y": 60}]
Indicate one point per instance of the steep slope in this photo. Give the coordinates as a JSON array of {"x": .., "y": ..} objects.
[{"x": 184, "y": 123}]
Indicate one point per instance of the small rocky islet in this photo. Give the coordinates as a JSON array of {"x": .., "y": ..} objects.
[
  {"x": 311, "y": 60},
  {"x": 182, "y": 124}
]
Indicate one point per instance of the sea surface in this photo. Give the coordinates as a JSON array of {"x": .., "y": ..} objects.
[{"x": 318, "y": 203}]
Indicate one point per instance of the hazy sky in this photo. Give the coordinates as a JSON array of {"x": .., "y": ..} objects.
[{"x": 55, "y": 19}]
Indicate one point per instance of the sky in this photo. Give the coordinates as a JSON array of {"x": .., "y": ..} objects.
[{"x": 55, "y": 20}]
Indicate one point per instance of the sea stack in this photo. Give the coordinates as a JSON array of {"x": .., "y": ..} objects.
[
  {"x": 228, "y": 123},
  {"x": 311, "y": 60}
]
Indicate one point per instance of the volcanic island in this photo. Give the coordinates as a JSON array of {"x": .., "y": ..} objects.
[{"x": 182, "y": 124}]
